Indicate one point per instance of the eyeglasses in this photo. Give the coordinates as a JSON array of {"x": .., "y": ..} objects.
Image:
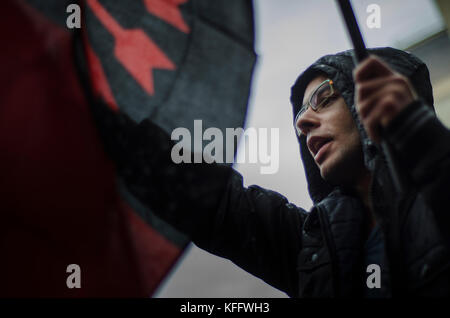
[{"x": 321, "y": 97}]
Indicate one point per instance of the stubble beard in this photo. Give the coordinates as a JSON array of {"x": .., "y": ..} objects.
[{"x": 345, "y": 167}]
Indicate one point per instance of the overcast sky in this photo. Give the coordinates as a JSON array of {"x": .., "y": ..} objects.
[{"x": 290, "y": 35}]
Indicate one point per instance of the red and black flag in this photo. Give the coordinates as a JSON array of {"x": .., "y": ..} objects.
[{"x": 62, "y": 199}]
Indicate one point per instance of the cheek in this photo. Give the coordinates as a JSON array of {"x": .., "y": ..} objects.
[
  {"x": 349, "y": 138},
  {"x": 352, "y": 134},
  {"x": 346, "y": 131},
  {"x": 344, "y": 123}
]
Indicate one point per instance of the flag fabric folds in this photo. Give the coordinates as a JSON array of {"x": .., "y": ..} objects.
[{"x": 61, "y": 197}]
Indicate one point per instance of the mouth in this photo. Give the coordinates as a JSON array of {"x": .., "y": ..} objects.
[{"x": 317, "y": 146}]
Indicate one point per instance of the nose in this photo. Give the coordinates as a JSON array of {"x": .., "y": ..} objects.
[{"x": 307, "y": 121}]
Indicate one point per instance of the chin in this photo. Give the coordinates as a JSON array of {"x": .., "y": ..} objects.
[
  {"x": 335, "y": 171},
  {"x": 329, "y": 174},
  {"x": 341, "y": 168}
]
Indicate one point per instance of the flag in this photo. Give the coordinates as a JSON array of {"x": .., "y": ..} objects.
[{"x": 71, "y": 227}]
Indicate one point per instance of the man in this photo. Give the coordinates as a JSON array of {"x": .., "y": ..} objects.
[
  {"x": 358, "y": 217},
  {"x": 349, "y": 159}
]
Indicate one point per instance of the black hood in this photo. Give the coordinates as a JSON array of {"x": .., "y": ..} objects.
[{"x": 338, "y": 67}]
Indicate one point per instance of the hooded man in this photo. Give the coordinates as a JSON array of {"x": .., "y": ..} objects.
[{"x": 358, "y": 218}]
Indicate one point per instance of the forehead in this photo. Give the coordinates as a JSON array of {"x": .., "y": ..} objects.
[{"x": 312, "y": 85}]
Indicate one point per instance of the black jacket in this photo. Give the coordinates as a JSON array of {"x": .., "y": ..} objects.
[{"x": 319, "y": 253}]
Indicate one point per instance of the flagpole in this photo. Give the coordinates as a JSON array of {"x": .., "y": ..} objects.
[{"x": 360, "y": 53}]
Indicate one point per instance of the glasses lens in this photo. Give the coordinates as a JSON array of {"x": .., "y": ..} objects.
[
  {"x": 300, "y": 112},
  {"x": 319, "y": 97},
  {"x": 322, "y": 93}
]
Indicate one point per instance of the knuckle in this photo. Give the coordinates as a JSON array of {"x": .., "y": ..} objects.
[
  {"x": 363, "y": 88},
  {"x": 401, "y": 80},
  {"x": 389, "y": 101}
]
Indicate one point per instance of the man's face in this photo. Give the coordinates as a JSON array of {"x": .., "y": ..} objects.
[{"x": 332, "y": 138}]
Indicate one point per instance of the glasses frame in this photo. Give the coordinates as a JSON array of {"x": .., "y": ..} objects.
[{"x": 316, "y": 108}]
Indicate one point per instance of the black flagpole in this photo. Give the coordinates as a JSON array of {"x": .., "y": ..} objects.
[
  {"x": 394, "y": 250},
  {"x": 360, "y": 53}
]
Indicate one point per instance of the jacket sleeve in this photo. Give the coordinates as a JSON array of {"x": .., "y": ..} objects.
[
  {"x": 422, "y": 143},
  {"x": 259, "y": 230},
  {"x": 255, "y": 228}
]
